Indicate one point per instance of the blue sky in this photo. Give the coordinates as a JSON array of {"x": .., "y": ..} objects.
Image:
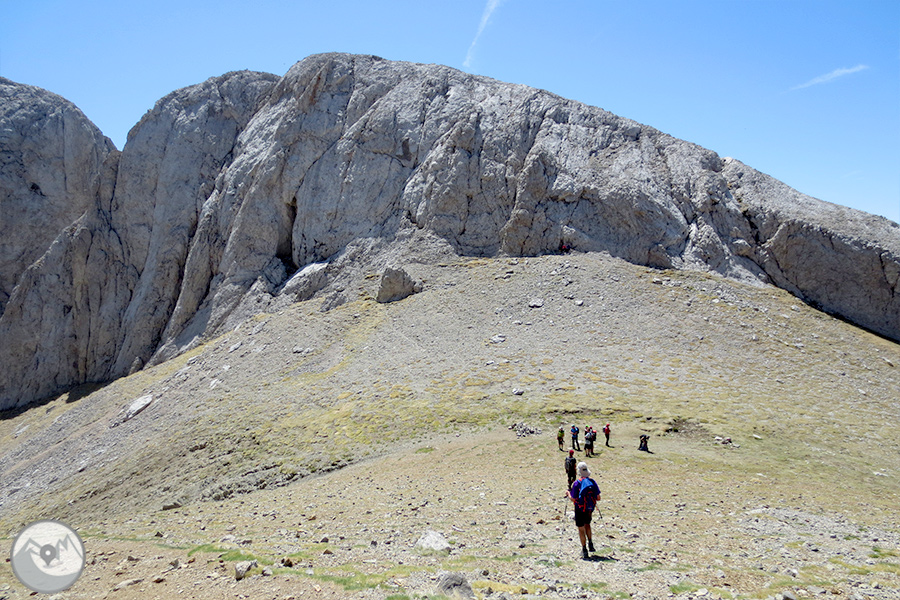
[{"x": 806, "y": 91}]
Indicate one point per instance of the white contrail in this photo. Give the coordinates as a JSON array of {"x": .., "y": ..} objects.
[
  {"x": 489, "y": 9},
  {"x": 830, "y": 76}
]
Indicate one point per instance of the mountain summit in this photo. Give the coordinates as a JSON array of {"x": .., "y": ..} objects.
[{"x": 248, "y": 192}]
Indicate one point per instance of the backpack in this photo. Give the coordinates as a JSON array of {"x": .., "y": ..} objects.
[
  {"x": 588, "y": 494},
  {"x": 571, "y": 461}
]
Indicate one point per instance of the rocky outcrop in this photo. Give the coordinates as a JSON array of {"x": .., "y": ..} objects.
[
  {"x": 51, "y": 161},
  {"x": 102, "y": 293},
  {"x": 843, "y": 261},
  {"x": 247, "y": 191}
]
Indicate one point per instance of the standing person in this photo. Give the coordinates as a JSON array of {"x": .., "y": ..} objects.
[
  {"x": 560, "y": 437},
  {"x": 570, "y": 464},
  {"x": 584, "y": 493},
  {"x": 606, "y": 433},
  {"x": 574, "y": 431},
  {"x": 589, "y": 436}
]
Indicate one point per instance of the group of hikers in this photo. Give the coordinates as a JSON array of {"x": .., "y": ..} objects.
[
  {"x": 590, "y": 435},
  {"x": 583, "y": 491}
]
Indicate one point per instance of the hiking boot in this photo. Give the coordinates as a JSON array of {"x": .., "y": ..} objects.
[
  {"x": 584, "y": 553},
  {"x": 591, "y": 546}
]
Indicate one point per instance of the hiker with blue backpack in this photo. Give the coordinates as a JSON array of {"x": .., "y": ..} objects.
[{"x": 584, "y": 493}]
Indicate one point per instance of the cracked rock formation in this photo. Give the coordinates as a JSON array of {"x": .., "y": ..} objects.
[
  {"x": 249, "y": 190},
  {"x": 51, "y": 160}
]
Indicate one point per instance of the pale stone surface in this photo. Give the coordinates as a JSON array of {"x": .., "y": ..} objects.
[
  {"x": 51, "y": 158},
  {"x": 104, "y": 290},
  {"x": 396, "y": 284},
  {"x": 843, "y": 261},
  {"x": 433, "y": 541},
  {"x": 248, "y": 192}
]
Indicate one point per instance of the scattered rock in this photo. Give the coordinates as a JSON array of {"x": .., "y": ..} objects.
[
  {"x": 523, "y": 429},
  {"x": 132, "y": 410},
  {"x": 434, "y": 542},
  {"x": 241, "y": 568},
  {"x": 454, "y": 585},
  {"x": 124, "y": 584}
]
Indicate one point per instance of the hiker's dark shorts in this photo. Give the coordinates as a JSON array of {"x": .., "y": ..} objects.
[{"x": 582, "y": 518}]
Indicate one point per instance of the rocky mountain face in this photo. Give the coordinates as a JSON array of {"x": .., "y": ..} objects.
[
  {"x": 250, "y": 191},
  {"x": 51, "y": 160}
]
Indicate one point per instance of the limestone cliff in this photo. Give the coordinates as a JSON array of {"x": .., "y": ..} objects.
[
  {"x": 51, "y": 159},
  {"x": 247, "y": 191}
]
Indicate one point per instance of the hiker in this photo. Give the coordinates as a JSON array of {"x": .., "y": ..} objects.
[
  {"x": 574, "y": 431},
  {"x": 570, "y": 464},
  {"x": 560, "y": 438},
  {"x": 643, "y": 445},
  {"x": 589, "y": 436},
  {"x": 606, "y": 433},
  {"x": 584, "y": 493}
]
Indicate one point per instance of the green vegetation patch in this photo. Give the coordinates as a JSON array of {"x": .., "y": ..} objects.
[
  {"x": 228, "y": 554},
  {"x": 878, "y": 552}
]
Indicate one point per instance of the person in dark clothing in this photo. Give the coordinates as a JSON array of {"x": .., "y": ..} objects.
[
  {"x": 643, "y": 445},
  {"x": 589, "y": 436},
  {"x": 570, "y": 464},
  {"x": 574, "y": 431}
]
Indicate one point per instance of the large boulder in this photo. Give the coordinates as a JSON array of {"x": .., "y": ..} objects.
[{"x": 396, "y": 284}]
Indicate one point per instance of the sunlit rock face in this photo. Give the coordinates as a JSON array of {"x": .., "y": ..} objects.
[{"x": 249, "y": 191}]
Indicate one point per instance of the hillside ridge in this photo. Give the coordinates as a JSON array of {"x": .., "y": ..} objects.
[{"x": 249, "y": 189}]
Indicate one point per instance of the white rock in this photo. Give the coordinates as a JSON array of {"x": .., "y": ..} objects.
[{"x": 433, "y": 541}]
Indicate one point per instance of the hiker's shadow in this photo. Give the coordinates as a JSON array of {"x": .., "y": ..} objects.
[{"x": 596, "y": 558}]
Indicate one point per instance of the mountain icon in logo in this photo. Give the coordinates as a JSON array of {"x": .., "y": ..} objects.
[{"x": 47, "y": 556}]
